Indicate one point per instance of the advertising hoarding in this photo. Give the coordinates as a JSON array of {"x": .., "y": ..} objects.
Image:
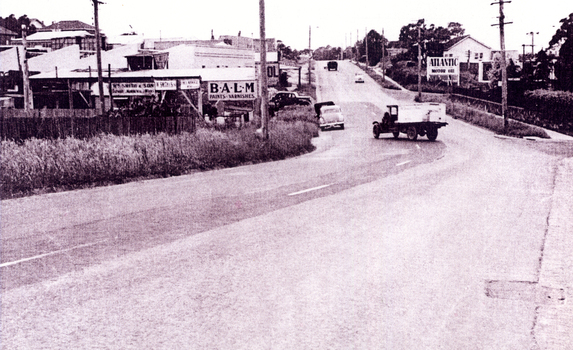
[{"x": 232, "y": 90}]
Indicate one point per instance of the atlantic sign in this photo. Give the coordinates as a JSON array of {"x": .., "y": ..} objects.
[
  {"x": 232, "y": 90},
  {"x": 443, "y": 66}
]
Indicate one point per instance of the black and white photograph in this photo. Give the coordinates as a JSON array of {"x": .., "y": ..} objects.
[{"x": 286, "y": 174}]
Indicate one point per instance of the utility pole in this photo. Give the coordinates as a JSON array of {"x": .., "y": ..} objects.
[
  {"x": 383, "y": 61},
  {"x": 503, "y": 63},
  {"x": 366, "y": 44},
  {"x": 98, "y": 57},
  {"x": 419, "y": 62},
  {"x": 28, "y": 102},
  {"x": 309, "y": 55},
  {"x": 532, "y": 42},
  {"x": 263, "y": 77}
]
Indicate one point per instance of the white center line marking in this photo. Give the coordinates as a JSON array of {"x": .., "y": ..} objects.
[
  {"x": 50, "y": 253},
  {"x": 406, "y": 162},
  {"x": 418, "y": 146},
  {"x": 308, "y": 190}
]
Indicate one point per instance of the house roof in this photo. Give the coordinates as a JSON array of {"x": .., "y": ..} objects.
[
  {"x": 455, "y": 41},
  {"x": 6, "y": 31},
  {"x": 56, "y": 35},
  {"x": 67, "y": 26},
  {"x": 206, "y": 74}
]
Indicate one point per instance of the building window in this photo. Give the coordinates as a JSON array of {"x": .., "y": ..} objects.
[
  {"x": 476, "y": 56},
  {"x": 481, "y": 55}
]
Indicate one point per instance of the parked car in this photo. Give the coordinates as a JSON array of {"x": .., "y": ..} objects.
[
  {"x": 287, "y": 98},
  {"x": 358, "y": 78},
  {"x": 332, "y": 65},
  {"x": 329, "y": 115}
]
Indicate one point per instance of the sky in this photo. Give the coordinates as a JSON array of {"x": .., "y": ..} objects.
[{"x": 326, "y": 22}]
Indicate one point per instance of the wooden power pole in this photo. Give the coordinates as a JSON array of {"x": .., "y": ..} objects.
[
  {"x": 28, "y": 102},
  {"x": 263, "y": 75},
  {"x": 98, "y": 57},
  {"x": 503, "y": 63}
]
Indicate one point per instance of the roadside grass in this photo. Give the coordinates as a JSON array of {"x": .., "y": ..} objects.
[
  {"x": 486, "y": 120},
  {"x": 42, "y": 166}
]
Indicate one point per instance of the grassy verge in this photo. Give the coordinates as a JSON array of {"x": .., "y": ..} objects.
[
  {"x": 486, "y": 120},
  {"x": 42, "y": 166}
]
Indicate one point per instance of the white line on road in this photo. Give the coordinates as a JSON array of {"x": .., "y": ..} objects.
[
  {"x": 418, "y": 146},
  {"x": 308, "y": 190},
  {"x": 50, "y": 253},
  {"x": 406, "y": 162}
]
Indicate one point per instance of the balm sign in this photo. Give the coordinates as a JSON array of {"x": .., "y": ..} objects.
[{"x": 232, "y": 90}]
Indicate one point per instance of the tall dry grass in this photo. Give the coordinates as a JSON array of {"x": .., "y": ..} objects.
[{"x": 38, "y": 166}]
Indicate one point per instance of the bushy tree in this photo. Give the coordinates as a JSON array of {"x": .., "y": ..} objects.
[
  {"x": 543, "y": 69},
  {"x": 564, "y": 64},
  {"x": 286, "y": 52},
  {"x": 494, "y": 74},
  {"x": 432, "y": 38},
  {"x": 327, "y": 53},
  {"x": 15, "y": 24}
]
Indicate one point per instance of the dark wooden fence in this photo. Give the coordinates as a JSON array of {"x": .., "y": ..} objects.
[
  {"x": 16, "y": 124},
  {"x": 517, "y": 113}
]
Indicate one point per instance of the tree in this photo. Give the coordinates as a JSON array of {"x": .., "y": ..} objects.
[
  {"x": 564, "y": 64},
  {"x": 15, "y": 25},
  {"x": 455, "y": 29},
  {"x": 494, "y": 74},
  {"x": 375, "y": 43},
  {"x": 432, "y": 38},
  {"x": 327, "y": 53},
  {"x": 11, "y": 23},
  {"x": 543, "y": 69},
  {"x": 286, "y": 52}
]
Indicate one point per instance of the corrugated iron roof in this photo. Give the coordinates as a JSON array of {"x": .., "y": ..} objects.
[
  {"x": 206, "y": 74},
  {"x": 56, "y": 35},
  {"x": 67, "y": 26},
  {"x": 6, "y": 31},
  {"x": 459, "y": 39}
]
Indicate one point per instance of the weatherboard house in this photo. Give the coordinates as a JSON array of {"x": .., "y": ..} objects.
[
  {"x": 62, "y": 34},
  {"x": 474, "y": 56},
  {"x": 470, "y": 53}
]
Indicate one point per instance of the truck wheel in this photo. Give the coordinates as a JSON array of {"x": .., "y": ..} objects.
[
  {"x": 396, "y": 134},
  {"x": 432, "y": 134},
  {"x": 412, "y": 133},
  {"x": 376, "y": 131}
]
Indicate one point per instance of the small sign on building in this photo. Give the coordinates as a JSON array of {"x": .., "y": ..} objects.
[
  {"x": 133, "y": 89},
  {"x": 163, "y": 85},
  {"x": 190, "y": 84}
]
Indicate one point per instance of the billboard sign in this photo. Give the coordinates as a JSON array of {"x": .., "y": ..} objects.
[
  {"x": 272, "y": 72},
  {"x": 162, "y": 85},
  {"x": 232, "y": 90},
  {"x": 133, "y": 89},
  {"x": 443, "y": 66},
  {"x": 190, "y": 84}
]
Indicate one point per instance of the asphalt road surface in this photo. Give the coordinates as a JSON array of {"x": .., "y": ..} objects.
[{"x": 362, "y": 244}]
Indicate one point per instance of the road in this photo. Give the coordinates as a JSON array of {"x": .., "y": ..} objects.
[{"x": 364, "y": 243}]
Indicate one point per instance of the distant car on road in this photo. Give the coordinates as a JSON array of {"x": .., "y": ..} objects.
[
  {"x": 329, "y": 115},
  {"x": 332, "y": 65},
  {"x": 358, "y": 78}
]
